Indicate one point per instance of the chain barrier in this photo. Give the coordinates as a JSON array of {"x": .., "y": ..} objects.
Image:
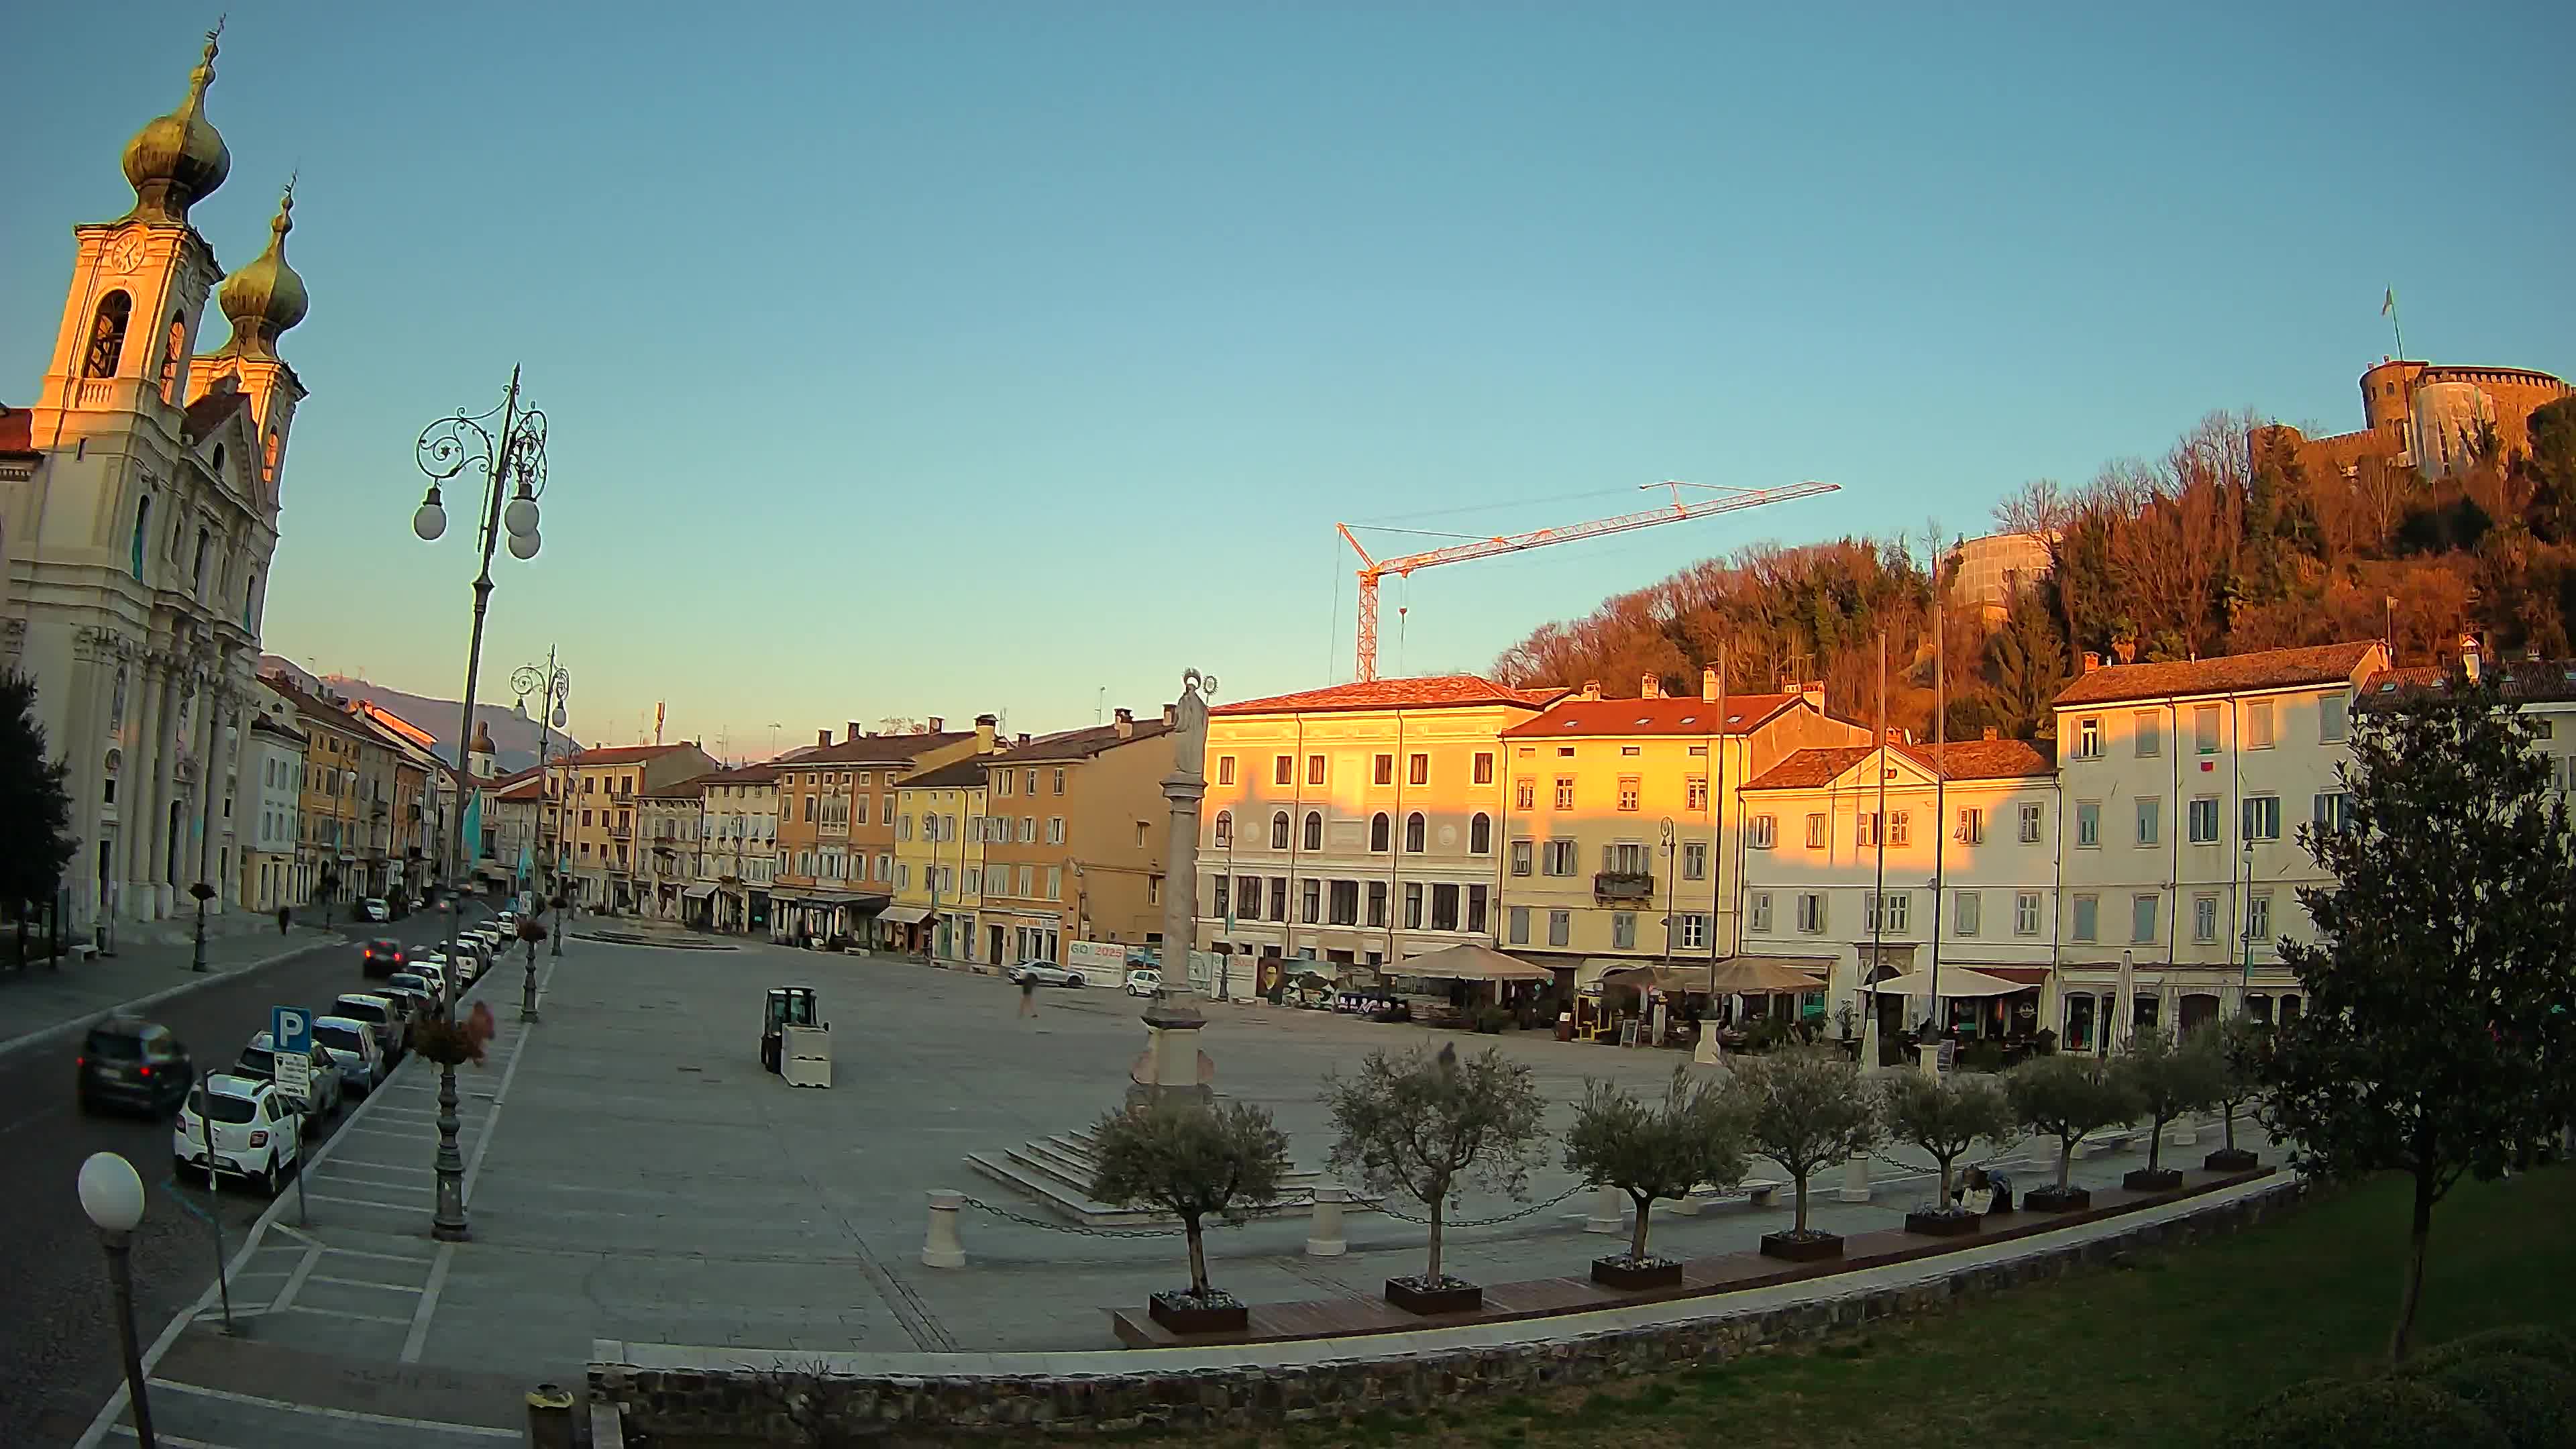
[
  {"x": 1445, "y": 1225},
  {"x": 1078, "y": 1231}
]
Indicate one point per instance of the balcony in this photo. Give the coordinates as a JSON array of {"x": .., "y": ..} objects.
[
  {"x": 1623, "y": 885},
  {"x": 621, "y": 832}
]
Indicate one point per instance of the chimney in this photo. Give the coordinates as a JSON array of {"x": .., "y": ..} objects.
[
  {"x": 1126, "y": 724},
  {"x": 1708, "y": 684},
  {"x": 1992, "y": 734},
  {"x": 1171, "y": 714},
  {"x": 938, "y": 725},
  {"x": 854, "y": 731},
  {"x": 2469, "y": 656},
  {"x": 1023, "y": 739},
  {"x": 985, "y": 725},
  {"x": 822, "y": 737},
  {"x": 1650, "y": 687},
  {"x": 1813, "y": 692},
  {"x": 1591, "y": 689},
  {"x": 2092, "y": 661}
]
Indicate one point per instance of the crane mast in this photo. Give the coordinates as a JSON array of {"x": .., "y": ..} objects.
[{"x": 1372, "y": 570}]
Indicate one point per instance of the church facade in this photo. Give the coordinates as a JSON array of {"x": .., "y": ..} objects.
[{"x": 138, "y": 517}]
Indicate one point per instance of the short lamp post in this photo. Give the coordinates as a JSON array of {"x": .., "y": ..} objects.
[
  {"x": 112, "y": 1195},
  {"x": 204, "y": 893}
]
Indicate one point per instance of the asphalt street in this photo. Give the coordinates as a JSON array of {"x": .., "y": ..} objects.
[{"x": 58, "y": 1355}]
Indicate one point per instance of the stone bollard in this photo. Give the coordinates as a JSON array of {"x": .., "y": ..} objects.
[
  {"x": 1324, "y": 1234},
  {"x": 1609, "y": 1211},
  {"x": 1855, "y": 1186},
  {"x": 942, "y": 1248},
  {"x": 550, "y": 1417},
  {"x": 1685, "y": 1206}
]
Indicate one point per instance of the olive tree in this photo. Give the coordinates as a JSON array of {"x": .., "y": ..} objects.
[
  {"x": 1805, "y": 1110},
  {"x": 1945, "y": 1116},
  {"x": 2068, "y": 1096},
  {"x": 1192, "y": 1161},
  {"x": 2241, "y": 1043},
  {"x": 1425, "y": 1125},
  {"x": 2167, "y": 1078},
  {"x": 1659, "y": 1150}
]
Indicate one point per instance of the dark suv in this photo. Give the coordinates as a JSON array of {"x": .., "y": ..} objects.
[
  {"x": 384, "y": 958},
  {"x": 129, "y": 1062}
]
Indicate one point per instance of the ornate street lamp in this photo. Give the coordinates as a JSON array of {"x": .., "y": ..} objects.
[
  {"x": 513, "y": 464},
  {"x": 555, "y": 682}
]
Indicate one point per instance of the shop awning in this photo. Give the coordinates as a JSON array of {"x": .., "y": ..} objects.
[
  {"x": 697, "y": 893},
  {"x": 1673, "y": 980},
  {"x": 904, "y": 915},
  {"x": 1763, "y": 975},
  {"x": 2019, "y": 975},
  {"x": 1955, "y": 981},
  {"x": 1469, "y": 962}
]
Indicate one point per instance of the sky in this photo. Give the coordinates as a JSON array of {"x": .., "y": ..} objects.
[{"x": 914, "y": 360}]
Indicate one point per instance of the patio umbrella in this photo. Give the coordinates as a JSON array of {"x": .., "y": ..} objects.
[
  {"x": 2124, "y": 1016},
  {"x": 1758, "y": 975},
  {"x": 1673, "y": 980},
  {"x": 1469, "y": 962},
  {"x": 1955, "y": 982}
]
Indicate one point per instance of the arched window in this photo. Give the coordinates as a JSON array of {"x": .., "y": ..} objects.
[
  {"x": 197, "y": 575},
  {"x": 1379, "y": 827},
  {"x": 107, "y": 335},
  {"x": 268, "y": 464},
  {"x": 1480, "y": 834},
  {"x": 177, "y": 348},
  {"x": 142, "y": 530},
  {"x": 219, "y": 461},
  {"x": 1225, "y": 827},
  {"x": 1413, "y": 832},
  {"x": 1279, "y": 830},
  {"x": 1314, "y": 830}
]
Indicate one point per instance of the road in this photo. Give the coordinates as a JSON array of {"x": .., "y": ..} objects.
[{"x": 58, "y": 1356}]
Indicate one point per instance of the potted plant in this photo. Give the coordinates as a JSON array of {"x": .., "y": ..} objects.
[
  {"x": 1191, "y": 1161},
  {"x": 1805, "y": 1110},
  {"x": 1945, "y": 1116},
  {"x": 451, "y": 1042},
  {"x": 2166, "y": 1078},
  {"x": 2069, "y": 1096},
  {"x": 2241, "y": 1043},
  {"x": 1652, "y": 1152},
  {"x": 1423, "y": 1125}
]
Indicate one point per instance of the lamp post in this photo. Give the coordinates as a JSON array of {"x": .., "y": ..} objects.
[
  {"x": 204, "y": 893},
  {"x": 517, "y": 455},
  {"x": 556, "y": 683},
  {"x": 1671, "y": 845},
  {"x": 112, "y": 1195}
]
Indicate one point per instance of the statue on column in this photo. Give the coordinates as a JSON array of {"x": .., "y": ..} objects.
[{"x": 1190, "y": 723}]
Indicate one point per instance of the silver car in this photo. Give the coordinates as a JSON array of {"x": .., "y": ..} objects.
[
  {"x": 259, "y": 1063},
  {"x": 1044, "y": 973}
]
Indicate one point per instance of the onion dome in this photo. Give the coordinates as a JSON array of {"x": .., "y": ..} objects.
[
  {"x": 178, "y": 159},
  {"x": 266, "y": 297}
]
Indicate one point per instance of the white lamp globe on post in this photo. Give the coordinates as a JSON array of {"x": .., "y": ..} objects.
[
  {"x": 524, "y": 545},
  {"x": 111, "y": 1194},
  {"x": 431, "y": 521},
  {"x": 520, "y": 517}
]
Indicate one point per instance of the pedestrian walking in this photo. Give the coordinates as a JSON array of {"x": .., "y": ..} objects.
[
  {"x": 284, "y": 916},
  {"x": 1028, "y": 995}
]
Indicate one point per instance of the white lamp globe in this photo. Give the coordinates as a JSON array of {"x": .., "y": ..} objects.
[
  {"x": 431, "y": 520},
  {"x": 521, "y": 516},
  {"x": 524, "y": 545},
  {"x": 111, "y": 1193}
]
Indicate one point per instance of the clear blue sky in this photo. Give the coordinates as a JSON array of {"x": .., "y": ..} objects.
[{"x": 900, "y": 359}]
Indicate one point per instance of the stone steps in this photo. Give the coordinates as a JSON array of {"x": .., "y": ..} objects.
[{"x": 1056, "y": 1172}]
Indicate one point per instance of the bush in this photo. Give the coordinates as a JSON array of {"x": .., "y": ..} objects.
[
  {"x": 1981, "y": 1056},
  {"x": 2529, "y": 1340},
  {"x": 2377, "y": 1414},
  {"x": 1493, "y": 1020},
  {"x": 2531, "y": 1400}
]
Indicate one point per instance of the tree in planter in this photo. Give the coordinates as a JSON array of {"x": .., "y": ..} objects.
[
  {"x": 1652, "y": 1152},
  {"x": 1805, "y": 1110},
  {"x": 2069, "y": 1096},
  {"x": 1945, "y": 1116},
  {"x": 35, "y": 809},
  {"x": 2241, "y": 1043},
  {"x": 2166, "y": 1078},
  {"x": 1191, "y": 1161},
  {"x": 1425, "y": 1125},
  {"x": 2441, "y": 983}
]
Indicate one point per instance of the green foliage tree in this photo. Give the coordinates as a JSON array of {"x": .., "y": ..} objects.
[
  {"x": 2167, "y": 1078},
  {"x": 1424, "y": 1125},
  {"x": 1655, "y": 1151},
  {"x": 1191, "y": 1161},
  {"x": 2068, "y": 1096},
  {"x": 1805, "y": 1109},
  {"x": 2441, "y": 1024},
  {"x": 2241, "y": 1043},
  {"x": 36, "y": 840},
  {"x": 2027, "y": 659},
  {"x": 1945, "y": 1116}
]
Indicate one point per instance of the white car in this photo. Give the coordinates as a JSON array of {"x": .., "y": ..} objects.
[
  {"x": 1144, "y": 981},
  {"x": 1044, "y": 973},
  {"x": 374, "y": 908},
  {"x": 253, "y": 1129},
  {"x": 259, "y": 1064}
]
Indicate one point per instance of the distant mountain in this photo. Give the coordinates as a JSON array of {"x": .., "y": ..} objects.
[{"x": 514, "y": 738}]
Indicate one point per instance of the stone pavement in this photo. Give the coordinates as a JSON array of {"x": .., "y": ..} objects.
[
  {"x": 634, "y": 1175},
  {"x": 45, "y": 1001}
]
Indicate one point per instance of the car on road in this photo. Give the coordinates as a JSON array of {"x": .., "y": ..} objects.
[
  {"x": 383, "y": 958},
  {"x": 1044, "y": 973},
  {"x": 354, "y": 1049},
  {"x": 259, "y": 1063},
  {"x": 1144, "y": 981},
  {"x": 385, "y": 1017},
  {"x": 252, "y": 1127},
  {"x": 127, "y": 1061},
  {"x": 376, "y": 908}
]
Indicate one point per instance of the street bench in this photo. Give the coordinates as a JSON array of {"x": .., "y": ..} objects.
[{"x": 1761, "y": 1192}]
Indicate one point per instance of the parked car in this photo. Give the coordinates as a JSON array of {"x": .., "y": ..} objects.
[
  {"x": 385, "y": 1017},
  {"x": 253, "y": 1131},
  {"x": 259, "y": 1063},
  {"x": 1144, "y": 981},
  {"x": 355, "y": 1049},
  {"x": 432, "y": 968},
  {"x": 1044, "y": 973},
  {"x": 127, "y": 1061},
  {"x": 384, "y": 957},
  {"x": 414, "y": 992},
  {"x": 376, "y": 908}
]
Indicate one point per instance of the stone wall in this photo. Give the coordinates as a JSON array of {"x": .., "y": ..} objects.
[{"x": 791, "y": 1404}]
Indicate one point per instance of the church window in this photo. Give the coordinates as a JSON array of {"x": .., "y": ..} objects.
[
  {"x": 107, "y": 335},
  {"x": 268, "y": 464},
  {"x": 142, "y": 531},
  {"x": 170, "y": 358},
  {"x": 197, "y": 576}
]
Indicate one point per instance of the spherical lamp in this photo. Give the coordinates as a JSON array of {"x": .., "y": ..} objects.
[
  {"x": 524, "y": 545},
  {"x": 111, "y": 1193},
  {"x": 520, "y": 518},
  {"x": 431, "y": 520}
]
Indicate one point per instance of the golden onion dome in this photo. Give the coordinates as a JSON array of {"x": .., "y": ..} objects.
[
  {"x": 178, "y": 159},
  {"x": 266, "y": 297}
]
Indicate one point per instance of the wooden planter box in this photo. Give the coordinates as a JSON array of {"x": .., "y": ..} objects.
[
  {"x": 2050, "y": 1200},
  {"x": 1187, "y": 1315},
  {"x": 1801, "y": 1250},
  {"x": 1454, "y": 1298},
  {"x": 2231, "y": 1159},
  {"x": 1620, "y": 1273},
  {"x": 2162, "y": 1179},
  {"x": 1942, "y": 1225}
]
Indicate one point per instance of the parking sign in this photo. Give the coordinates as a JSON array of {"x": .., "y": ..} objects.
[{"x": 291, "y": 1028}]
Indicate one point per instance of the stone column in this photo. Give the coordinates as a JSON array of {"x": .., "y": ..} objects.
[
  {"x": 941, "y": 1247},
  {"x": 1609, "y": 1210},
  {"x": 85, "y": 746},
  {"x": 147, "y": 784}
]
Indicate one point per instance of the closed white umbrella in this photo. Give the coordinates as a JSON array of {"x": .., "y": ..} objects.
[{"x": 2124, "y": 1012}]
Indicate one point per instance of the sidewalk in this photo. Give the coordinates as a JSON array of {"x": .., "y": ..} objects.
[{"x": 44, "y": 1001}]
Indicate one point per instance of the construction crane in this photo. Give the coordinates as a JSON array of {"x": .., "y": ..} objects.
[{"x": 1373, "y": 569}]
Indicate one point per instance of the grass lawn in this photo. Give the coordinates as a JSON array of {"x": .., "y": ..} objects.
[{"x": 2166, "y": 1351}]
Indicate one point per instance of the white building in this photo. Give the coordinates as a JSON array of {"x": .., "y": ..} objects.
[
  {"x": 1965, "y": 884},
  {"x": 272, "y": 808},
  {"x": 737, "y": 855},
  {"x": 138, "y": 515},
  {"x": 2184, "y": 786}
]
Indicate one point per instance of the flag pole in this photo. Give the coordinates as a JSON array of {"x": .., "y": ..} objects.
[{"x": 2388, "y": 309}]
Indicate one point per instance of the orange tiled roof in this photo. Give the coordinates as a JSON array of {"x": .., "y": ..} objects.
[
  {"x": 1958, "y": 760},
  {"x": 17, "y": 430},
  {"x": 2227, "y": 674},
  {"x": 870, "y": 750},
  {"x": 2548, "y": 680},
  {"x": 965, "y": 774},
  {"x": 764, "y": 773},
  {"x": 1435, "y": 691},
  {"x": 1079, "y": 744},
  {"x": 1602, "y": 718},
  {"x": 623, "y": 754}
]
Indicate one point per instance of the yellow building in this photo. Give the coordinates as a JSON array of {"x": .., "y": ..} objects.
[
  {"x": 1074, "y": 845},
  {"x": 1621, "y": 823},
  {"x": 329, "y": 835},
  {"x": 600, "y": 787},
  {"x": 938, "y": 860}
]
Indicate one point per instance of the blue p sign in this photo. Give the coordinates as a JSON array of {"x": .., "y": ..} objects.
[{"x": 291, "y": 1027}]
